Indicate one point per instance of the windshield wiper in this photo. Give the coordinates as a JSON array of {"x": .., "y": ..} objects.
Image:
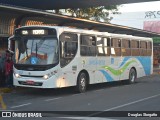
[
  {"x": 36, "y": 50},
  {"x": 32, "y": 47}
]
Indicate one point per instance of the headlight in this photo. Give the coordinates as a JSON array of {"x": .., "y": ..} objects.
[
  {"x": 45, "y": 77},
  {"x": 17, "y": 75}
]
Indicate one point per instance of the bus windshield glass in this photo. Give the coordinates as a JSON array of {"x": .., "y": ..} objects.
[{"x": 36, "y": 50}]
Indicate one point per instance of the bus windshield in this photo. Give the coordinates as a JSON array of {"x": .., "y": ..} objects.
[{"x": 36, "y": 50}]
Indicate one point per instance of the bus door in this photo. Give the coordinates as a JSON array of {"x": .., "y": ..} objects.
[{"x": 68, "y": 50}]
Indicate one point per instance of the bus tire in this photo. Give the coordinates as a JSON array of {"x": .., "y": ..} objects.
[
  {"x": 132, "y": 76},
  {"x": 81, "y": 82}
]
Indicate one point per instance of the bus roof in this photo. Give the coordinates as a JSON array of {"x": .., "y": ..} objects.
[
  {"x": 92, "y": 32},
  {"x": 131, "y": 37}
]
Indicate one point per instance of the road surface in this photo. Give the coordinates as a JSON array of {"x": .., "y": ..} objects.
[{"x": 111, "y": 101}]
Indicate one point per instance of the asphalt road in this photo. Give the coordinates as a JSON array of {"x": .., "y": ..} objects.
[{"x": 111, "y": 101}]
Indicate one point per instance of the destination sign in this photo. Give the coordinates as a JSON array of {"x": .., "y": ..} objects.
[
  {"x": 24, "y": 32},
  {"x": 37, "y": 32}
]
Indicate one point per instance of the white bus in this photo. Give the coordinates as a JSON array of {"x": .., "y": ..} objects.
[{"x": 56, "y": 57}]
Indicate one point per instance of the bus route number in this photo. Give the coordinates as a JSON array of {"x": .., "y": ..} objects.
[{"x": 38, "y": 32}]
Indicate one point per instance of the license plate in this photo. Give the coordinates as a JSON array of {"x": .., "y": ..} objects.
[{"x": 30, "y": 82}]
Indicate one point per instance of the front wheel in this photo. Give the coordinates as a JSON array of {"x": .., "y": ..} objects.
[
  {"x": 132, "y": 76},
  {"x": 81, "y": 82}
]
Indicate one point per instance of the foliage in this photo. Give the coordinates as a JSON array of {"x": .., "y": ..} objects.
[
  {"x": 93, "y": 13},
  {"x": 156, "y": 39}
]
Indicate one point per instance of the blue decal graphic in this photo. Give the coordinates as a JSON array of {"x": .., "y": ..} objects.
[
  {"x": 97, "y": 62},
  {"x": 34, "y": 60},
  {"x": 112, "y": 60},
  {"x": 107, "y": 76},
  {"x": 124, "y": 61},
  {"x": 145, "y": 62}
]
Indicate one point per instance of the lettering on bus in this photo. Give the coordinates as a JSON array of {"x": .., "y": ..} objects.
[
  {"x": 24, "y": 32},
  {"x": 96, "y": 62},
  {"x": 38, "y": 32}
]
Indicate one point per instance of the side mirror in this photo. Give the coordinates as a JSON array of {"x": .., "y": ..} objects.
[{"x": 11, "y": 42}]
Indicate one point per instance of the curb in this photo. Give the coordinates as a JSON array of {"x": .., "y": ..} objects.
[
  {"x": 9, "y": 90},
  {"x": 156, "y": 72},
  {"x": 6, "y": 90}
]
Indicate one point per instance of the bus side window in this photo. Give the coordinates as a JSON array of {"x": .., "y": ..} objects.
[
  {"x": 88, "y": 45},
  {"x": 149, "y": 45},
  {"x": 143, "y": 48},
  {"x": 68, "y": 47},
  {"x": 116, "y": 46},
  {"x": 107, "y": 46},
  {"x": 149, "y": 49},
  {"x": 103, "y": 45},
  {"x": 135, "y": 47},
  {"x": 126, "y": 44},
  {"x": 100, "y": 44}
]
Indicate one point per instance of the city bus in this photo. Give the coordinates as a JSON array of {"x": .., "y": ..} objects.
[{"x": 56, "y": 57}]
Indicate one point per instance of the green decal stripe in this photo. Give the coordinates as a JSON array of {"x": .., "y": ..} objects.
[{"x": 120, "y": 71}]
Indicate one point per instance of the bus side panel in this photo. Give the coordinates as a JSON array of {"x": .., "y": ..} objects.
[
  {"x": 146, "y": 66},
  {"x": 126, "y": 64},
  {"x": 118, "y": 69},
  {"x": 143, "y": 66},
  {"x": 115, "y": 68},
  {"x": 114, "y": 72},
  {"x": 89, "y": 64},
  {"x": 100, "y": 71},
  {"x": 110, "y": 69},
  {"x": 124, "y": 67}
]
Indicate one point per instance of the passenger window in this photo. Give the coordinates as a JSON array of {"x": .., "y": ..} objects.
[
  {"x": 102, "y": 48},
  {"x": 88, "y": 45},
  {"x": 116, "y": 46},
  {"x": 126, "y": 51},
  {"x": 135, "y": 48},
  {"x": 143, "y": 49},
  {"x": 149, "y": 49}
]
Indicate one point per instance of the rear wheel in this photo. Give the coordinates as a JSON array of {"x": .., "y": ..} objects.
[
  {"x": 132, "y": 76},
  {"x": 81, "y": 82}
]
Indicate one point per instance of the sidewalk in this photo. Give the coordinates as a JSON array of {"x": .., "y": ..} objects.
[
  {"x": 156, "y": 70},
  {"x": 8, "y": 90}
]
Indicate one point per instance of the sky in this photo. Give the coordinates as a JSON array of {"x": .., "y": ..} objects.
[
  {"x": 134, "y": 15},
  {"x": 145, "y": 6}
]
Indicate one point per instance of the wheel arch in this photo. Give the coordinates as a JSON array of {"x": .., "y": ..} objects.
[
  {"x": 135, "y": 71},
  {"x": 87, "y": 74}
]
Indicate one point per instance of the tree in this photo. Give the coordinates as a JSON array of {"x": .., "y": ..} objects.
[{"x": 93, "y": 13}]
